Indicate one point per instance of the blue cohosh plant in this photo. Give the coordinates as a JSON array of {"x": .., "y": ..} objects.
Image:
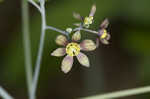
[{"x": 71, "y": 46}]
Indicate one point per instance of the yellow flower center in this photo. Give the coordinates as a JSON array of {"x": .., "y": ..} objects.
[
  {"x": 73, "y": 49},
  {"x": 103, "y": 36},
  {"x": 88, "y": 20}
]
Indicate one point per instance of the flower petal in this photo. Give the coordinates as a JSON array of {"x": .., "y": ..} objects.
[
  {"x": 83, "y": 59},
  {"x": 76, "y": 36},
  {"x": 77, "y": 16},
  {"x": 104, "y": 24},
  {"x": 104, "y": 41},
  {"x": 93, "y": 10},
  {"x": 59, "y": 52},
  {"x": 88, "y": 45},
  {"x": 61, "y": 40},
  {"x": 67, "y": 64},
  {"x": 108, "y": 36}
]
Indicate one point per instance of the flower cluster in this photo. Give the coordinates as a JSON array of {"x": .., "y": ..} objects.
[{"x": 74, "y": 47}]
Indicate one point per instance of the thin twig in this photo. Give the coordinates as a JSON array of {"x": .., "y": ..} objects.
[
  {"x": 26, "y": 43},
  {"x": 40, "y": 51},
  {"x": 4, "y": 94},
  {"x": 87, "y": 30},
  {"x": 122, "y": 93},
  {"x": 34, "y": 4},
  {"x": 57, "y": 30}
]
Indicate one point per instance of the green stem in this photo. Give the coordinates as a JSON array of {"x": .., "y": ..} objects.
[
  {"x": 26, "y": 44},
  {"x": 122, "y": 93}
]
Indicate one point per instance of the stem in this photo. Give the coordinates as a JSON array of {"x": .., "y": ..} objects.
[
  {"x": 123, "y": 93},
  {"x": 40, "y": 51},
  {"x": 34, "y": 4},
  {"x": 26, "y": 43},
  {"x": 57, "y": 30},
  {"x": 4, "y": 94},
  {"x": 87, "y": 30}
]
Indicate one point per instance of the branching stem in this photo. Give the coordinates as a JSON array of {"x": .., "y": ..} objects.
[
  {"x": 36, "y": 5},
  {"x": 40, "y": 50},
  {"x": 57, "y": 30}
]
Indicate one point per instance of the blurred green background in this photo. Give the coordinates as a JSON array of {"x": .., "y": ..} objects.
[{"x": 121, "y": 65}]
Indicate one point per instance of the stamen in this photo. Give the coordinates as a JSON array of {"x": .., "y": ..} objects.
[
  {"x": 73, "y": 49},
  {"x": 104, "y": 34}
]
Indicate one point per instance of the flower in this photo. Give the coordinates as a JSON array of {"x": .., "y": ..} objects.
[
  {"x": 72, "y": 48},
  {"x": 88, "y": 20},
  {"x": 104, "y": 36}
]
